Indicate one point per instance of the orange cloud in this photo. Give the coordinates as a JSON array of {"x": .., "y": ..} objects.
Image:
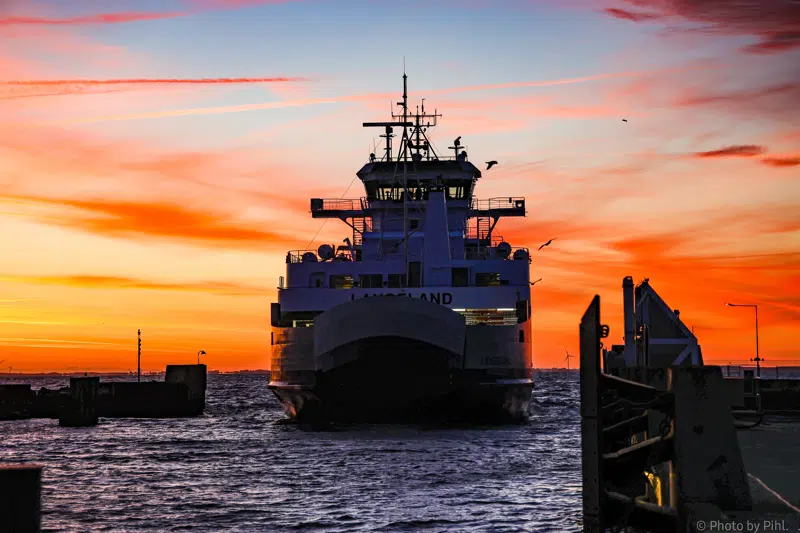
[
  {"x": 744, "y": 150},
  {"x": 116, "y": 282},
  {"x": 31, "y": 88},
  {"x": 133, "y": 219},
  {"x": 782, "y": 162}
]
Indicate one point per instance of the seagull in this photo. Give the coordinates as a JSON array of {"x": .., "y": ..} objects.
[
  {"x": 624, "y": 120},
  {"x": 491, "y": 164},
  {"x": 535, "y": 282},
  {"x": 547, "y": 243}
]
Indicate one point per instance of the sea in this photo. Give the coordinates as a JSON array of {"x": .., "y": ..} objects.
[{"x": 242, "y": 467}]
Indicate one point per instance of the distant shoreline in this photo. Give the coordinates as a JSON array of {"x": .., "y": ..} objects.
[
  {"x": 261, "y": 372},
  {"x": 4, "y": 375}
]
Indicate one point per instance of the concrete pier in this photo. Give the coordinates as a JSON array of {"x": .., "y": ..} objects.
[
  {"x": 771, "y": 453},
  {"x": 181, "y": 394},
  {"x": 80, "y": 407},
  {"x": 20, "y": 498},
  {"x": 16, "y": 401},
  {"x": 195, "y": 379}
]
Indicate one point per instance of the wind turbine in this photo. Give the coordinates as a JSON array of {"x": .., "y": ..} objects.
[{"x": 567, "y": 358}]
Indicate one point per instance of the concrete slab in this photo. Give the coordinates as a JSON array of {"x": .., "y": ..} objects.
[{"x": 771, "y": 453}]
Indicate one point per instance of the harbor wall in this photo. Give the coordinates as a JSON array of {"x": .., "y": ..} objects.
[{"x": 181, "y": 394}]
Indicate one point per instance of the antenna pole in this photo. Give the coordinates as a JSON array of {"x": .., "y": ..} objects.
[{"x": 405, "y": 171}]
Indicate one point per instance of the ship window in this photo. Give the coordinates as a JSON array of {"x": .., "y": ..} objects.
[
  {"x": 317, "y": 279},
  {"x": 388, "y": 193},
  {"x": 484, "y": 279},
  {"x": 341, "y": 281},
  {"x": 415, "y": 274},
  {"x": 371, "y": 281},
  {"x": 397, "y": 280},
  {"x": 460, "y": 277}
]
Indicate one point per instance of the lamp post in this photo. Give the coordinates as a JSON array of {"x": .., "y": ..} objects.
[
  {"x": 757, "y": 358},
  {"x": 201, "y": 352},
  {"x": 139, "y": 356}
]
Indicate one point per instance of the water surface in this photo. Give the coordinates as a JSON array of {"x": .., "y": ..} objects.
[{"x": 241, "y": 468}]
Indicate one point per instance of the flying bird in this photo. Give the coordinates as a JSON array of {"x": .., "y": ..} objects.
[
  {"x": 535, "y": 282},
  {"x": 624, "y": 120},
  {"x": 490, "y": 164},
  {"x": 547, "y": 243}
]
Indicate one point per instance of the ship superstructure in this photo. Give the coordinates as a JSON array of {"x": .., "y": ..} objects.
[{"x": 421, "y": 311}]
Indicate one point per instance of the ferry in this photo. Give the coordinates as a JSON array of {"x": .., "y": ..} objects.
[{"x": 421, "y": 313}]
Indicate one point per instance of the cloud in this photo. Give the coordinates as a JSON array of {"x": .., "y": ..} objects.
[
  {"x": 146, "y": 81},
  {"x": 13, "y": 89},
  {"x": 743, "y": 97},
  {"x": 629, "y": 15},
  {"x": 782, "y": 162},
  {"x": 196, "y": 6},
  {"x": 364, "y": 98},
  {"x": 135, "y": 219},
  {"x": 117, "y": 282},
  {"x": 743, "y": 150},
  {"x": 776, "y": 23},
  {"x": 99, "y": 18}
]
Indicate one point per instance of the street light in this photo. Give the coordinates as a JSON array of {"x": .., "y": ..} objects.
[
  {"x": 757, "y": 359},
  {"x": 201, "y": 352}
]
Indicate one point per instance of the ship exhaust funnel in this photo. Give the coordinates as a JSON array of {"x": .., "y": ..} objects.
[{"x": 437, "y": 242}]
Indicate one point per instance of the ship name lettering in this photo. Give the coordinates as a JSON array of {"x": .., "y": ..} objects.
[{"x": 443, "y": 298}]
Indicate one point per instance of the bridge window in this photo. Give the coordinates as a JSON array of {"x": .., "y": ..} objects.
[
  {"x": 371, "y": 281},
  {"x": 460, "y": 277},
  {"x": 397, "y": 280},
  {"x": 341, "y": 281},
  {"x": 485, "y": 279}
]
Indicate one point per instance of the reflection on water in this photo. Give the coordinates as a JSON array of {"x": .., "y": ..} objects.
[{"x": 242, "y": 468}]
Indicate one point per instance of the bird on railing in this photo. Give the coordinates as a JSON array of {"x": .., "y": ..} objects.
[
  {"x": 546, "y": 244},
  {"x": 490, "y": 164}
]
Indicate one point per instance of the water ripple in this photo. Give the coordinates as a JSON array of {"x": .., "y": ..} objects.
[{"x": 241, "y": 468}]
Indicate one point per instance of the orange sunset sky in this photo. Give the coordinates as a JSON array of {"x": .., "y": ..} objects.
[{"x": 157, "y": 160}]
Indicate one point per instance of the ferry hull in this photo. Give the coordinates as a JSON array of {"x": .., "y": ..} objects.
[
  {"x": 401, "y": 380},
  {"x": 402, "y": 360}
]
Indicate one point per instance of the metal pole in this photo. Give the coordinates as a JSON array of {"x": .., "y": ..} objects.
[
  {"x": 139, "y": 357},
  {"x": 758, "y": 359},
  {"x": 405, "y": 175}
]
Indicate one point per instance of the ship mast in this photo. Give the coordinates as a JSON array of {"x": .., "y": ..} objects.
[
  {"x": 405, "y": 174},
  {"x": 421, "y": 123}
]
